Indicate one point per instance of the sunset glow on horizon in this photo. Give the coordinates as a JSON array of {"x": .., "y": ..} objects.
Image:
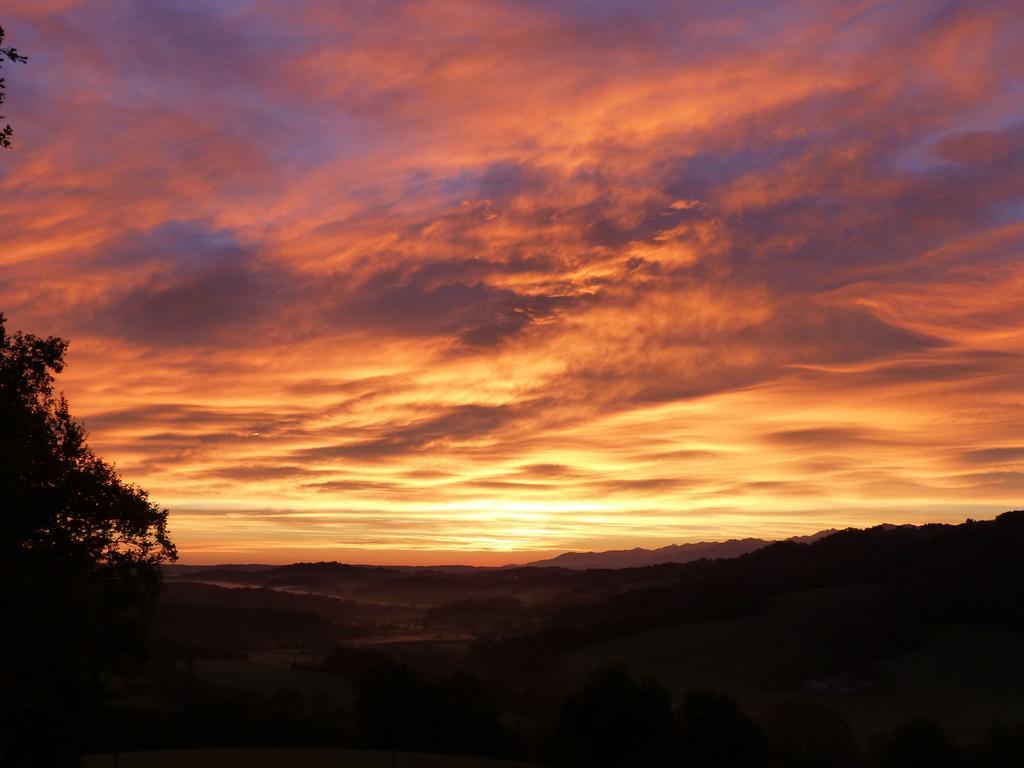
[{"x": 441, "y": 282}]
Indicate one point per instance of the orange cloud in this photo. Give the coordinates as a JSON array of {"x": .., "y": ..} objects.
[{"x": 440, "y": 282}]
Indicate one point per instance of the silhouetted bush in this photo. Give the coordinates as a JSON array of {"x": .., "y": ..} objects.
[
  {"x": 396, "y": 709},
  {"x": 805, "y": 735},
  {"x": 918, "y": 742},
  {"x": 711, "y": 732},
  {"x": 525, "y": 672},
  {"x": 1003, "y": 748},
  {"x": 615, "y": 719}
]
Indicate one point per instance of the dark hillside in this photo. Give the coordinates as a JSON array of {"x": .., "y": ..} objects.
[{"x": 969, "y": 573}]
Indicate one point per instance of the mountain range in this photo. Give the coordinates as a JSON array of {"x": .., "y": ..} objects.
[{"x": 673, "y": 553}]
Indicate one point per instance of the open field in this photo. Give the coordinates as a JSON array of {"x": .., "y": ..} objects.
[
  {"x": 768, "y": 650},
  {"x": 963, "y": 677}
]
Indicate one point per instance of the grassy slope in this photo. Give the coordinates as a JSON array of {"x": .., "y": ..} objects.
[{"x": 964, "y": 677}]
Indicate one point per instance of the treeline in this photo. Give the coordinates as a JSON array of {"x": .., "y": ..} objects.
[
  {"x": 610, "y": 719},
  {"x": 616, "y": 719},
  {"x": 195, "y": 620},
  {"x": 422, "y": 586}
]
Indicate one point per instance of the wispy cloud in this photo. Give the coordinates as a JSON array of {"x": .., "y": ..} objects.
[{"x": 351, "y": 278}]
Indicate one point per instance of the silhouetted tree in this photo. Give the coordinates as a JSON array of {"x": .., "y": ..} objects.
[
  {"x": 919, "y": 742},
  {"x": 466, "y": 717},
  {"x": 396, "y": 709},
  {"x": 11, "y": 54},
  {"x": 711, "y": 732},
  {"x": 1003, "y": 747},
  {"x": 80, "y": 552},
  {"x": 525, "y": 671},
  {"x": 616, "y": 719},
  {"x": 390, "y": 707},
  {"x": 802, "y": 734}
]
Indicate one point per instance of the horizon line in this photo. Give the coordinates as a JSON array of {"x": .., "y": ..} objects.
[{"x": 536, "y": 556}]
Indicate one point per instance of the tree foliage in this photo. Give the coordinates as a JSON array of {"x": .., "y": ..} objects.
[
  {"x": 711, "y": 731},
  {"x": 11, "y": 54},
  {"x": 615, "y": 719},
  {"x": 396, "y": 708},
  {"x": 80, "y": 550}
]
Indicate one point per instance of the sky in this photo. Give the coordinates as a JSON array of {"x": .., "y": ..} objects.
[{"x": 473, "y": 282}]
